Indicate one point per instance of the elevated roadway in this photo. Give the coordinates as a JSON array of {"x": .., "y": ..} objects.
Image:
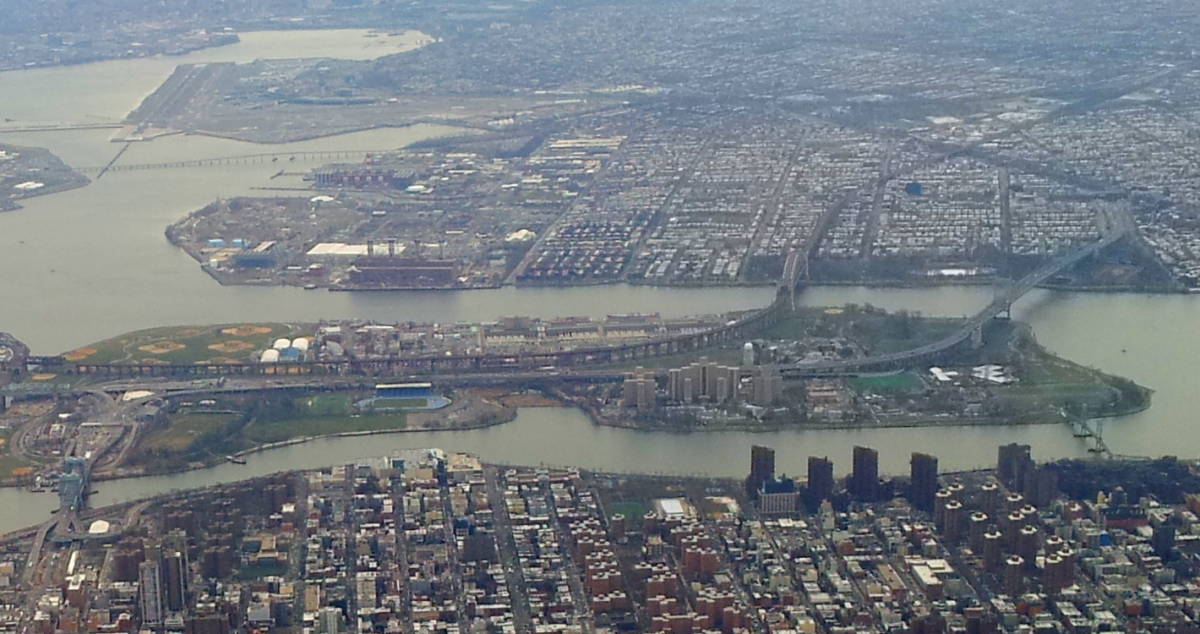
[
  {"x": 244, "y": 159},
  {"x": 970, "y": 328},
  {"x": 569, "y": 364}
]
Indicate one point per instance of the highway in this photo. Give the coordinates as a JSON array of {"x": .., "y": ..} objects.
[
  {"x": 467, "y": 376},
  {"x": 999, "y": 305}
]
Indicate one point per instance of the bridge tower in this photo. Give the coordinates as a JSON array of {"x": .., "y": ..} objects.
[
  {"x": 999, "y": 290},
  {"x": 1098, "y": 446}
]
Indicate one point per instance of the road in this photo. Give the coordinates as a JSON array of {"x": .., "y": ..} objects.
[
  {"x": 1000, "y": 305},
  {"x": 506, "y": 550}
]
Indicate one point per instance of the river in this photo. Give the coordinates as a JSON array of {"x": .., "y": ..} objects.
[{"x": 92, "y": 262}]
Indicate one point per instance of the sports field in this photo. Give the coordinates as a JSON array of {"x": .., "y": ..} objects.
[{"x": 228, "y": 343}]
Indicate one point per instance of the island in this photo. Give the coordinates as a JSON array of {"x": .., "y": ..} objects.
[
  {"x": 177, "y": 398},
  {"x": 26, "y": 172}
]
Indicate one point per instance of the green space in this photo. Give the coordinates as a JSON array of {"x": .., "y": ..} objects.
[
  {"x": 233, "y": 424},
  {"x": 338, "y": 404},
  {"x": 878, "y": 331},
  {"x": 183, "y": 430},
  {"x": 899, "y": 382},
  {"x": 8, "y": 462},
  {"x": 282, "y": 419},
  {"x": 185, "y": 344},
  {"x": 1095, "y": 399},
  {"x": 279, "y": 430},
  {"x": 262, "y": 568},
  {"x": 1051, "y": 383},
  {"x": 632, "y": 510}
]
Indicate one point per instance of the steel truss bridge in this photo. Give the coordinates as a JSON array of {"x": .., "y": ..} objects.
[
  {"x": 748, "y": 324},
  {"x": 970, "y": 329}
]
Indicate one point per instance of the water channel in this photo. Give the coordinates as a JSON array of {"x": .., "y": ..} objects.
[{"x": 92, "y": 262}]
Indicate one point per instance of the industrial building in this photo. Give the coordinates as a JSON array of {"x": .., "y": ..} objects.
[{"x": 400, "y": 273}]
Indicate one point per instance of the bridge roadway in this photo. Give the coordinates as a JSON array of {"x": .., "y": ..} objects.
[
  {"x": 244, "y": 159},
  {"x": 60, "y": 127},
  {"x": 562, "y": 363},
  {"x": 437, "y": 365},
  {"x": 999, "y": 305}
]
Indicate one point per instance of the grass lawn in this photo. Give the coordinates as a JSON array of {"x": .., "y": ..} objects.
[
  {"x": 316, "y": 416},
  {"x": 1058, "y": 382},
  {"x": 922, "y": 331},
  {"x": 185, "y": 344},
  {"x": 1049, "y": 369},
  {"x": 285, "y": 429},
  {"x": 879, "y": 332},
  {"x": 325, "y": 405},
  {"x": 262, "y": 569},
  {"x": 633, "y": 511},
  {"x": 1097, "y": 397},
  {"x": 888, "y": 383},
  {"x": 182, "y": 430},
  {"x": 9, "y": 462}
]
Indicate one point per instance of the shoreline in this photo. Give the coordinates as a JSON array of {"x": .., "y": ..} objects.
[
  {"x": 325, "y": 135},
  {"x": 764, "y": 428},
  {"x": 1092, "y": 290},
  {"x": 870, "y": 284},
  {"x": 247, "y": 28},
  {"x": 46, "y": 191},
  {"x": 507, "y": 415},
  {"x": 117, "y": 58},
  {"x": 511, "y": 414},
  {"x": 28, "y": 531}
]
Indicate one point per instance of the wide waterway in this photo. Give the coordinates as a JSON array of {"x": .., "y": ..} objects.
[{"x": 92, "y": 262}]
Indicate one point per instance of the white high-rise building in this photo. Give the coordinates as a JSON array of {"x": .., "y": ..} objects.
[{"x": 748, "y": 354}]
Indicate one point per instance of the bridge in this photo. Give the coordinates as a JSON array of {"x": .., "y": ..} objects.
[
  {"x": 971, "y": 328},
  {"x": 428, "y": 364},
  {"x": 745, "y": 325},
  {"x": 73, "y": 489},
  {"x": 59, "y": 127},
  {"x": 1092, "y": 432},
  {"x": 243, "y": 159}
]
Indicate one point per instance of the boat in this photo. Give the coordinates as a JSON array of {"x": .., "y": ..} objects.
[{"x": 235, "y": 459}]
